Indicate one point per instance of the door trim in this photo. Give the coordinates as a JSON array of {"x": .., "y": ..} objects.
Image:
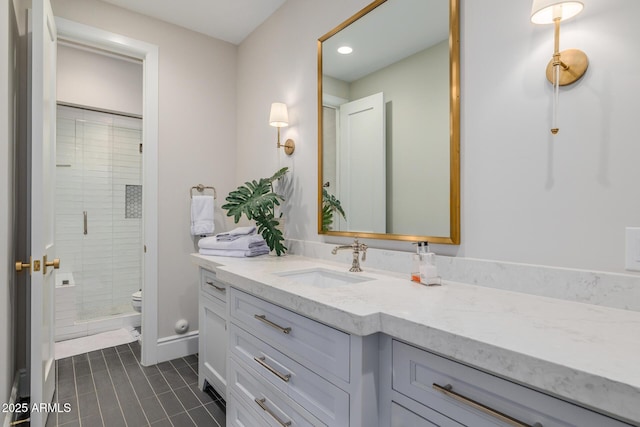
[{"x": 148, "y": 53}]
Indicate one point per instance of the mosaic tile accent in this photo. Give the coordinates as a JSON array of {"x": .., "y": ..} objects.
[{"x": 133, "y": 201}]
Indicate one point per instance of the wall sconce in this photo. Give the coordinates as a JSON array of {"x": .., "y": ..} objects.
[
  {"x": 565, "y": 67},
  {"x": 279, "y": 118}
]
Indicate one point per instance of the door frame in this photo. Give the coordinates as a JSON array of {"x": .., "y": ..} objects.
[
  {"x": 332, "y": 101},
  {"x": 148, "y": 53}
]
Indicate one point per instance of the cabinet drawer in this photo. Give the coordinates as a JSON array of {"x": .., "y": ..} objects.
[
  {"x": 415, "y": 372},
  {"x": 402, "y": 417},
  {"x": 304, "y": 340},
  {"x": 323, "y": 399},
  {"x": 210, "y": 285},
  {"x": 212, "y": 344},
  {"x": 275, "y": 408},
  {"x": 238, "y": 415}
]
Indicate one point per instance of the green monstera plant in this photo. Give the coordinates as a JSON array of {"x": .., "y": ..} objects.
[
  {"x": 330, "y": 204},
  {"x": 257, "y": 201}
]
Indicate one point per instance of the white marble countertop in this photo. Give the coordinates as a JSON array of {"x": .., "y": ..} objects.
[{"x": 585, "y": 353}]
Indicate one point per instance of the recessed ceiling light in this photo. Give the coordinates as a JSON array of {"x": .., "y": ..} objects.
[{"x": 345, "y": 50}]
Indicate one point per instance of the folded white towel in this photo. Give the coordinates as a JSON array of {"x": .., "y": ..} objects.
[
  {"x": 202, "y": 215},
  {"x": 236, "y": 233},
  {"x": 222, "y": 252},
  {"x": 242, "y": 243},
  {"x": 238, "y": 253}
]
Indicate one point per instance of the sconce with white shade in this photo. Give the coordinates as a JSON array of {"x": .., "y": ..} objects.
[
  {"x": 565, "y": 67},
  {"x": 279, "y": 117}
]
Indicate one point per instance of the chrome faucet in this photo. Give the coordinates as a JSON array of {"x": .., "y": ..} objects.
[{"x": 357, "y": 248}]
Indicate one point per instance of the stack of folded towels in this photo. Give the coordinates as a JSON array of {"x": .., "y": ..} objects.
[{"x": 239, "y": 242}]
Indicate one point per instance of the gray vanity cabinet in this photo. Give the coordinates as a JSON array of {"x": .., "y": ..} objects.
[
  {"x": 290, "y": 368},
  {"x": 425, "y": 389},
  {"x": 212, "y": 342}
]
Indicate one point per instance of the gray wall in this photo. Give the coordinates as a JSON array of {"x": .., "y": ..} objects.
[
  {"x": 416, "y": 95},
  {"x": 6, "y": 156},
  {"x": 11, "y": 353}
]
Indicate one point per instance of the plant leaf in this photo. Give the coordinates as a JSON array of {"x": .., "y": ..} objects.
[
  {"x": 327, "y": 218},
  {"x": 272, "y": 235},
  {"x": 282, "y": 172},
  {"x": 331, "y": 201},
  {"x": 252, "y": 200}
]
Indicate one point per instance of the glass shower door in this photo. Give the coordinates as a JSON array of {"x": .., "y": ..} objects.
[{"x": 99, "y": 208}]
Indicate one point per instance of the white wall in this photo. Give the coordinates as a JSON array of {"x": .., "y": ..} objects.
[
  {"x": 197, "y": 117},
  {"x": 529, "y": 196},
  {"x": 96, "y": 80},
  {"x": 277, "y": 62},
  {"x": 526, "y": 196}
]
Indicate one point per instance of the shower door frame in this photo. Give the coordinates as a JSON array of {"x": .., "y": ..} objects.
[{"x": 148, "y": 54}]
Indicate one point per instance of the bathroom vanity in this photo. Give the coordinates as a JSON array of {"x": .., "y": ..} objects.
[
  {"x": 310, "y": 344},
  {"x": 212, "y": 345}
]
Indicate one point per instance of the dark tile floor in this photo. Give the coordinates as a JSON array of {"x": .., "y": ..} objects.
[{"x": 110, "y": 388}]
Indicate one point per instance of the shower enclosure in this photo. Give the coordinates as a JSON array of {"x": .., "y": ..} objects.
[{"x": 98, "y": 215}]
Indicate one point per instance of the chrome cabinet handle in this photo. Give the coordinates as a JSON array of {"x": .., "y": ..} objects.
[
  {"x": 261, "y": 361},
  {"x": 261, "y": 404},
  {"x": 84, "y": 214},
  {"x": 263, "y": 319},
  {"x": 448, "y": 391},
  {"x": 221, "y": 289}
]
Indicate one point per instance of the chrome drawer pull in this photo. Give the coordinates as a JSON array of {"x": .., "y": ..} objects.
[
  {"x": 221, "y": 289},
  {"x": 448, "y": 391},
  {"x": 261, "y": 361},
  {"x": 263, "y": 318},
  {"x": 261, "y": 404}
]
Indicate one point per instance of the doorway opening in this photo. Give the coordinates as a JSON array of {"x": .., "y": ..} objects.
[
  {"x": 111, "y": 44},
  {"x": 98, "y": 223}
]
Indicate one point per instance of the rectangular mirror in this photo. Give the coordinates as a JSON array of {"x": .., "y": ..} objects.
[{"x": 389, "y": 123}]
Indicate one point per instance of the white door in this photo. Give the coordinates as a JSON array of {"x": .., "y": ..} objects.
[
  {"x": 42, "y": 67},
  {"x": 361, "y": 180}
]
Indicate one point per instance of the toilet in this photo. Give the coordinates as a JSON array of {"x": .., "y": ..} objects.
[{"x": 136, "y": 301}]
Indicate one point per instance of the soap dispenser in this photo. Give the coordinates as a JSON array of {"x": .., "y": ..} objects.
[
  {"x": 417, "y": 260},
  {"x": 428, "y": 268}
]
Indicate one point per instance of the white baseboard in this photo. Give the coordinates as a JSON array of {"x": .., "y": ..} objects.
[{"x": 177, "y": 346}]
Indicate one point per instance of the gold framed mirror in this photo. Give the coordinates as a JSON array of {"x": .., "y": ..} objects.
[{"x": 389, "y": 123}]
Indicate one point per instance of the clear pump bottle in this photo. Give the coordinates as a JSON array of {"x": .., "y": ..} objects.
[
  {"x": 417, "y": 260},
  {"x": 428, "y": 268}
]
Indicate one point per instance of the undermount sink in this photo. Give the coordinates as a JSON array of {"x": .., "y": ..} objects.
[{"x": 323, "y": 278}]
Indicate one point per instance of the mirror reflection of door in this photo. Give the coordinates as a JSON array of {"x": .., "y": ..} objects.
[{"x": 360, "y": 158}]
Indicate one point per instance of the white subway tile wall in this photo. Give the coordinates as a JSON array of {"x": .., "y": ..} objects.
[{"x": 98, "y": 156}]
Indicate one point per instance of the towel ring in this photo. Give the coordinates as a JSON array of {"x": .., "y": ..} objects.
[{"x": 201, "y": 189}]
